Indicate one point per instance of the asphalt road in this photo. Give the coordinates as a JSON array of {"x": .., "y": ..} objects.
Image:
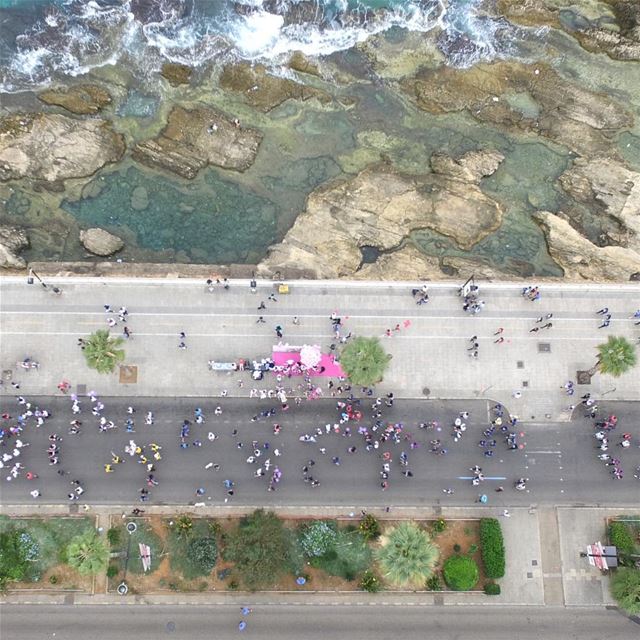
[
  {"x": 559, "y": 459},
  {"x": 371, "y": 622}
]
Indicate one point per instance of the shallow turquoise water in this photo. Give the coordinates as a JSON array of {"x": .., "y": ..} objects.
[{"x": 210, "y": 221}]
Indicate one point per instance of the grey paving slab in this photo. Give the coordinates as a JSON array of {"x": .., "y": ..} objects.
[
  {"x": 551, "y": 561},
  {"x": 584, "y": 585},
  {"x": 430, "y": 353}
]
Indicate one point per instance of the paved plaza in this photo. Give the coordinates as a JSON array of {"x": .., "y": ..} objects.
[{"x": 430, "y": 356}]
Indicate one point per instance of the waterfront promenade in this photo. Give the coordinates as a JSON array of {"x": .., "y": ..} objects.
[{"x": 525, "y": 372}]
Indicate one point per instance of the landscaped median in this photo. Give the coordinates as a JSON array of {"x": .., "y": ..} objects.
[
  {"x": 51, "y": 554},
  {"x": 158, "y": 554},
  {"x": 624, "y": 534}
]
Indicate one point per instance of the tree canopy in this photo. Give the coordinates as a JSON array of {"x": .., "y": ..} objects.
[
  {"x": 88, "y": 554},
  {"x": 364, "y": 361},
  {"x": 102, "y": 352},
  {"x": 407, "y": 556},
  {"x": 616, "y": 356},
  {"x": 261, "y": 548}
]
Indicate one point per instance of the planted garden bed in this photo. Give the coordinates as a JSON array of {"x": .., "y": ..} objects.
[
  {"x": 34, "y": 553},
  {"x": 264, "y": 552}
]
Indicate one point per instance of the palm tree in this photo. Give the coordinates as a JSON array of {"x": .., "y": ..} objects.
[
  {"x": 615, "y": 357},
  {"x": 101, "y": 351},
  {"x": 88, "y": 554},
  {"x": 407, "y": 556},
  {"x": 364, "y": 361}
]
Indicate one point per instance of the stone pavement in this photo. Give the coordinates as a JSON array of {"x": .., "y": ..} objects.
[
  {"x": 583, "y": 584},
  {"x": 430, "y": 357}
]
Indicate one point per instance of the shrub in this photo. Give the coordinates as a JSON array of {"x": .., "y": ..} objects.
[
  {"x": 439, "y": 525},
  {"x": 472, "y": 549},
  {"x": 492, "y": 589},
  {"x": 112, "y": 571},
  {"x": 369, "y": 527},
  {"x": 53, "y": 579},
  {"x": 407, "y": 556},
  {"x": 348, "y": 556},
  {"x": 433, "y": 583},
  {"x": 457, "y": 548},
  {"x": 492, "y": 547},
  {"x": 317, "y": 538},
  {"x": 184, "y": 526},
  {"x": 202, "y": 554},
  {"x": 370, "y": 582},
  {"x": 261, "y": 548},
  {"x": 215, "y": 528},
  {"x": 625, "y": 588},
  {"x": 233, "y": 585},
  {"x": 621, "y": 537},
  {"x": 13, "y": 560},
  {"x": 461, "y": 573},
  {"x": 88, "y": 554},
  {"x": 114, "y": 536}
]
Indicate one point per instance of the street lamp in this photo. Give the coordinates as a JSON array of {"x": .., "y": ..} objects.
[{"x": 30, "y": 278}]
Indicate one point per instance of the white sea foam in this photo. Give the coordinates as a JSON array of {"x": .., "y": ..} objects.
[{"x": 71, "y": 42}]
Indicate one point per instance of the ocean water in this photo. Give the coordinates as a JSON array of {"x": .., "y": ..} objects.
[
  {"x": 225, "y": 216},
  {"x": 43, "y": 40}
]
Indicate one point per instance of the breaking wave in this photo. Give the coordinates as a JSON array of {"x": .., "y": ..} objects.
[{"x": 41, "y": 40}]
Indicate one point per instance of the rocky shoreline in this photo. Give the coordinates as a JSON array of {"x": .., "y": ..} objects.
[{"x": 363, "y": 223}]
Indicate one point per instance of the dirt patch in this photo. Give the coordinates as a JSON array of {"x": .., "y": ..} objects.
[{"x": 66, "y": 579}]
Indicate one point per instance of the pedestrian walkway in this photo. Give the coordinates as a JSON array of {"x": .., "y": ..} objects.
[
  {"x": 550, "y": 555},
  {"x": 526, "y": 372}
]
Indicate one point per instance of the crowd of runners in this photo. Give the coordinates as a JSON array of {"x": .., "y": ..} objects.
[{"x": 358, "y": 424}]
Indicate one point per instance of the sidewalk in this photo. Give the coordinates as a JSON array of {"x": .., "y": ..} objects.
[{"x": 430, "y": 357}]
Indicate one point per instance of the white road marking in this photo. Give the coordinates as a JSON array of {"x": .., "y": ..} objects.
[{"x": 550, "y": 452}]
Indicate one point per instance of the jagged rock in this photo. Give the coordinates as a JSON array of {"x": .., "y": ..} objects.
[
  {"x": 380, "y": 208},
  {"x": 405, "y": 264},
  {"x": 100, "y": 242},
  {"x": 471, "y": 167},
  {"x": 583, "y": 260},
  {"x": 176, "y": 74},
  {"x": 263, "y": 90},
  {"x": 461, "y": 268},
  {"x": 53, "y": 147},
  {"x": 578, "y": 118},
  {"x": 611, "y": 188},
  {"x": 300, "y": 63},
  {"x": 623, "y": 44},
  {"x": 12, "y": 241},
  {"x": 194, "y": 138},
  {"x": 82, "y": 99}
]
